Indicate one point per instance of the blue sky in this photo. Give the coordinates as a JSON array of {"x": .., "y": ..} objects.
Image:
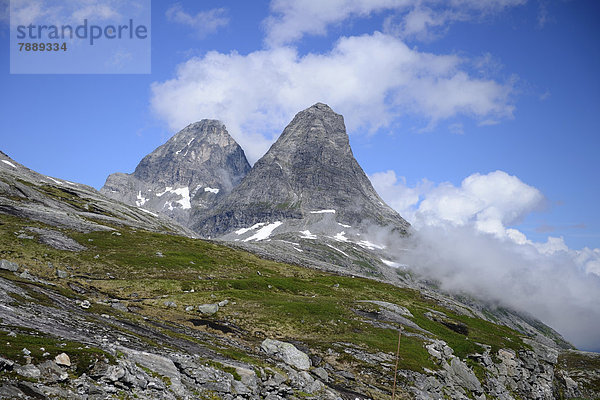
[{"x": 464, "y": 113}]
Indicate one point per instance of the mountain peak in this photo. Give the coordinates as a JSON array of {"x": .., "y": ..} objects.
[
  {"x": 194, "y": 168},
  {"x": 309, "y": 168}
]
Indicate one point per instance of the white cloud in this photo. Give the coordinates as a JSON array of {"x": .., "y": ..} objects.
[
  {"x": 489, "y": 202},
  {"x": 463, "y": 239},
  {"x": 257, "y": 94},
  {"x": 204, "y": 22},
  {"x": 293, "y": 19},
  {"x": 96, "y": 9}
]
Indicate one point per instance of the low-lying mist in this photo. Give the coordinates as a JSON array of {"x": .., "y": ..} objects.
[{"x": 460, "y": 239}]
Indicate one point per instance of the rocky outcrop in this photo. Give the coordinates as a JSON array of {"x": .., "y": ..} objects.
[
  {"x": 192, "y": 171},
  {"x": 286, "y": 352},
  {"x": 29, "y": 195}
]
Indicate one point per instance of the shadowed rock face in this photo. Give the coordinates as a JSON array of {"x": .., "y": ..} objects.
[
  {"x": 193, "y": 170},
  {"x": 311, "y": 167}
]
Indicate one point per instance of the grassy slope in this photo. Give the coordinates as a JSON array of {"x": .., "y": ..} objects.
[{"x": 271, "y": 299}]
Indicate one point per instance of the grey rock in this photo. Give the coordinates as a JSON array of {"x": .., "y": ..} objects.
[
  {"x": 460, "y": 373},
  {"x": 223, "y": 303},
  {"x": 6, "y": 364},
  {"x": 208, "y": 309},
  {"x": 170, "y": 304},
  {"x": 310, "y": 167},
  {"x": 51, "y": 372},
  {"x": 56, "y": 239},
  {"x": 286, "y": 352},
  {"x": 321, "y": 373},
  {"x": 119, "y": 306},
  {"x": 9, "y": 265},
  {"x": 202, "y": 161},
  {"x": 62, "y": 274},
  {"x": 28, "y": 371}
]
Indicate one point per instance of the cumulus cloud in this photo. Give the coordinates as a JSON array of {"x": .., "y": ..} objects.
[
  {"x": 293, "y": 19},
  {"x": 256, "y": 94},
  {"x": 463, "y": 239},
  {"x": 204, "y": 22},
  {"x": 489, "y": 202}
]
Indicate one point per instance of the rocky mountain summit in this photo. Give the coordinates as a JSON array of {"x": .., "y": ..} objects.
[
  {"x": 309, "y": 169},
  {"x": 192, "y": 171}
]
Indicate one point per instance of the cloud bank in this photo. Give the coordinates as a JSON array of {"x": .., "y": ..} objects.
[
  {"x": 463, "y": 239},
  {"x": 371, "y": 80}
]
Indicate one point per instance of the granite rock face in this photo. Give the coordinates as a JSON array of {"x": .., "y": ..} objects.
[
  {"x": 310, "y": 168},
  {"x": 192, "y": 171}
]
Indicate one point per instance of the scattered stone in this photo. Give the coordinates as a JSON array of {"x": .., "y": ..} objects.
[
  {"x": 287, "y": 352},
  {"x": 170, "y": 304},
  {"x": 62, "y": 274},
  {"x": 85, "y": 304},
  {"x": 24, "y": 236},
  {"x": 223, "y": 303},
  {"x": 26, "y": 351},
  {"x": 63, "y": 359},
  {"x": 208, "y": 309},
  {"x": 159, "y": 254},
  {"x": 9, "y": 265},
  {"x": 189, "y": 308}
]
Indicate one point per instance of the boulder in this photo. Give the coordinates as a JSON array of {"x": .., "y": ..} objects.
[
  {"x": 9, "y": 265},
  {"x": 208, "y": 309},
  {"x": 63, "y": 359},
  {"x": 287, "y": 352}
]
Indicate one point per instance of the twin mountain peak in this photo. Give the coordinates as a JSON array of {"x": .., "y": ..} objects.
[{"x": 201, "y": 178}]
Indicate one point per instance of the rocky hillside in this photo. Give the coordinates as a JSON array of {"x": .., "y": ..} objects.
[
  {"x": 192, "y": 171},
  {"x": 56, "y": 202},
  {"x": 310, "y": 169}
]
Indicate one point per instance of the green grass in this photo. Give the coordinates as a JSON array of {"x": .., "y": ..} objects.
[
  {"x": 283, "y": 301},
  {"x": 82, "y": 357}
]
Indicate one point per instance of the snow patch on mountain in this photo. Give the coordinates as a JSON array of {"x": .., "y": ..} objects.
[
  {"x": 323, "y": 212},
  {"x": 264, "y": 232},
  {"x": 215, "y": 191},
  {"x": 307, "y": 235},
  {"x": 9, "y": 163},
  {"x": 244, "y": 230},
  {"x": 336, "y": 249},
  {"x": 141, "y": 200},
  {"x": 371, "y": 246}
]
